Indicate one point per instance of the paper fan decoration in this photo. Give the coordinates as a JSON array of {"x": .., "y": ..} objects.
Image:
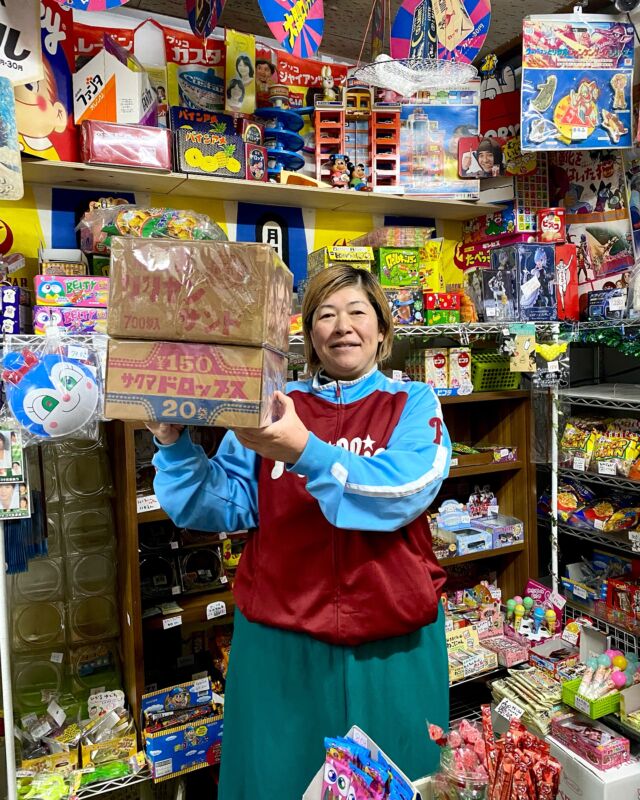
[
  {"x": 461, "y": 27},
  {"x": 298, "y": 33},
  {"x": 91, "y": 5},
  {"x": 204, "y": 15}
]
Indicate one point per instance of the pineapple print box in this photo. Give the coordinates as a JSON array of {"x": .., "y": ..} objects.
[{"x": 211, "y": 153}]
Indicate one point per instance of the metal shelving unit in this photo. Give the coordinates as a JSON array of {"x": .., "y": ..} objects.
[
  {"x": 602, "y": 480},
  {"x": 609, "y": 396},
  {"x": 105, "y": 787},
  {"x": 622, "y": 639},
  {"x": 616, "y": 541}
]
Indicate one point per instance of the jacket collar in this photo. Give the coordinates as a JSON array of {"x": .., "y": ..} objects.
[{"x": 345, "y": 391}]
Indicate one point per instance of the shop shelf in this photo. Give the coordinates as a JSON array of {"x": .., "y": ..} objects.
[
  {"x": 157, "y": 515},
  {"x": 104, "y": 787},
  {"x": 486, "y": 397},
  {"x": 484, "y": 469},
  {"x": 615, "y": 396},
  {"x": 61, "y": 173},
  {"x": 615, "y": 541},
  {"x": 194, "y": 609},
  {"x": 499, "y": 551},
  {"x": 480, "y": 676},
  {"x": 622, "y": 637},
  {"x": 602, "y": 480}
]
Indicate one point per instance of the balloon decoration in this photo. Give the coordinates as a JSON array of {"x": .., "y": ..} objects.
[
  {"x": 298, "y": 25},
  {"x": 204, "y": 15},
  {"x": 461, "y": 26}
]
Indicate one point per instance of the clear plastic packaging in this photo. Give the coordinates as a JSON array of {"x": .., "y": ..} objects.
[
  {"x": 34, "y": 676},
  {"x": 92, "y": 619},
  {"x": 54, "y": 384},
  {"x": 38, "y": 625},
  {"x": 95, "y": 666},
  {"x": 44, "y": 581},
  {"x": 80, "y": 527},
  {"x": 91, "y": 574},
  {"x": 86, "y": 477},
  {"x": 158, "y": 577},
  {"x": 138, "y": 146}
]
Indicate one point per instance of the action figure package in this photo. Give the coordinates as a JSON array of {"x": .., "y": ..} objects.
[
  {"x": 230, "y": 292},
  {"x": 567, "y": 282},
  {"x": 606, "y": 304},
  {"x": 536, "y": 278},
  {"x": 499, "y": 295},
  {"x": 406, "y": 304},
  {"x": 577, "y": 75}
]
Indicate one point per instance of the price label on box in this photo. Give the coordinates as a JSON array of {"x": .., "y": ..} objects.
[
  {"x": 57, "y": 658},
  {"x": 217, "y": 609},
  {"x": 472, "y": 665},
  {"x": 509, "y": 710},
  {"x": 580, "y": 592},
  {"x": 557, "y": 600},
  {"x": 553, "y": 366},
  {"x": 483, "y": 626},
  {"x": 147, "y": 503},
  {"x": 579, "y": 464},
  {"x": 606, "y": 467},
  {"x": 634, "y": 538},
  {"x": 581, "y": 704},
  {"x": 617, "y": 303},
  {"x": 171, "y": 622},
  {"x": 598, "y": 524},
  {"x": 201, "y": 685}
]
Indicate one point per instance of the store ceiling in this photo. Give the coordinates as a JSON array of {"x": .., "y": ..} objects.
[{"x": 346, "y": 20}]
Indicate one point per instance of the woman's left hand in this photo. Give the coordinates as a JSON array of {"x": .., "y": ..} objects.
[{"x": 283, "y": 440}]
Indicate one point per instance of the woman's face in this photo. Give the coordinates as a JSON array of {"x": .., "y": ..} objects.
[
  {"x": 236, "y": 94},
  {"x": 345, "y": 334},
  {"x": 243, "y": 69},
  {"x": 6, "y": 493}
]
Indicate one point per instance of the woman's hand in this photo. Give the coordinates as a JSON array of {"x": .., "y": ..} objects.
[
  {"x": 165, "y": 432},
  {"x": 283, "y": 440}
]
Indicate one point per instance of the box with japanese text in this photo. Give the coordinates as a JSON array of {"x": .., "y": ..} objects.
[
  {"x": 193, "y": 384},
  {"x": 175, "y": 751},
  {"x": 70, "y": 320},
  {"x": 229, "y": 292},
  {"x": 210, "y": 153},
  {"x": 67, "y": 290}
]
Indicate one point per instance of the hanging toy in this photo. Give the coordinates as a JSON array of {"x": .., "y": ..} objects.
[{"x": 50, "y": 395}]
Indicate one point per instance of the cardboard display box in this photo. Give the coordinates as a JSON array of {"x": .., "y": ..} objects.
[
  {"x": 211, "y": 292},
  {"x": 65, "y": 290},
  {"x": 192, "y": 384},
  {"x": 580, "y": 780}
]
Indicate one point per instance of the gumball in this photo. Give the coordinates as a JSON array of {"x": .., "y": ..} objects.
[
  {"x": 527, "y": 602},
  {"x": 518, "y": 599},
  {"x": 619, "y": 679},
  {"x": 592, "y": 663},
  {"x": 610, "y": 653},
  {"x": 604, "y": 660},
  {"x": 511, "y": 604},
  {"x": 620, "y": 662}
]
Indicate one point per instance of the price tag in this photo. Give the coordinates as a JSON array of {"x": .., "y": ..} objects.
[
  {"x": 617, "y": 303},
  {"x": 454, "y": 462},
  {"x": 598, "y": 524},
  {"x": 174, "y": 545},
  {"x": 490, "y": 312},
  {"x": 581, "y": 704},
  {"x": 57, "y": 658},
  {"x": 553, "y": 366},
  {"x": 606, "y": 467},
  {"x": 175, "y": 590},
  {"x": 57, "y": 714},
  {"x": 509, "y": 710},
  {"x": 28, "y": 720},
  {"x": 557, "y": 600},
  {"x": 201, "y": 685},
  {"x": 147, "y": 503},
  {"x": 217, "y": 609},
  {"x": 504, "y": 452},
  {"x": 79, "y": 353},
  {"x": 483, "y": 626},
  {"x": 97, "y": 690},
  {"x": 171, "y": 622},
  {"x": 494, "y": 511},
  {"x": 634, "y": 538},
  {"x": 222, "y": 536},
  {"x": 224, "y": 579},
  {"x": 164, "y": 767},
  {"x": 580, "y": 592},
  {"x": 359, "y": 738},
  {"x": 579, "y": 463}
]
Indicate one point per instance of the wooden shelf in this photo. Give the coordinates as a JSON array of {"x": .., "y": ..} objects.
[
  {"x": 500, "y": 551},
  {"x": 62, "y": 173},
  {"x": 194, "y": 610},
  {"x": 482, "y": 469},
  {"x": 483, "y": 397},
  {"x": 157, "y": 515}
]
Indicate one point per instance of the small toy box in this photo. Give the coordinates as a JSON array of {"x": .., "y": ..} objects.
[
  {"x": 406, "y": 304},
  {"x": 177, "y": 698},
  {"x": 446, "y": 301},
  {"x": 505, "y": 531},
  {"x": 210, "y": 153},
  {"x": 473, "y": 542},
  {"x": 508, "y": 651},
  {"x": 434, "y": 369},
  {"x": 606, "y": 304},
  {"x": 121, "y": 748},
  {"x": 624, "y": 595},
  {"x": 398, "y": 266},
  {"x": 537, "y": 282},
  {"x": 255, "y": 157},
  {"x": 65, "y": 290},
  {"x": 554, "y": 656},
  {"x": 58, "y": 261},
  {"x": 70, "y": 320},
  {"x": 552, "y": 225},
  {"x": 441, "y": 317},
  {"x": 466, "y": 655},
  {"x": 138, "y": 146},
  {"x": 185, "y": 748},
  {"x": 192, "y": 384},
  {"x": 227, "y": 292},
  {"x": 357, "y": 256},
  {"x": 592, "y": 740}
]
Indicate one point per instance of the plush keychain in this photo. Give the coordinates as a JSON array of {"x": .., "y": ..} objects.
[{"x": 50, "y": 395}]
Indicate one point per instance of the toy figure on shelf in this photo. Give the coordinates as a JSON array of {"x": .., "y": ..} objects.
[
  {"x": 339, "y": 171},
  {"x": 358, "y": 177},
  {"x": 330, "y": 94}
]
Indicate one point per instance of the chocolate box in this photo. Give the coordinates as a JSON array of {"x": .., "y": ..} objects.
[
  {"x": 138, "y": 146},
  {"x": 66, "y": 290},
  {"x": 212, "y": 292},
  {"x": 209, "y": 153},
  {"x": 71, "y": 320},
  {"x": 356, "y": 255},
  {"x": 256, "y": 161},
  {"x": 192, "y": 384},
  {"x": 198, "y": 119},
  {"x": 590, "y": 739}
]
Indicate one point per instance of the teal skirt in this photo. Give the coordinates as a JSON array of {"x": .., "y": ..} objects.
[{"x": 286, "y": 691}]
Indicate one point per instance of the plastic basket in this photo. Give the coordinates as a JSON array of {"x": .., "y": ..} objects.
[
  {"x": 490, "y": 372},
  {"x": 592, "y": 708}
]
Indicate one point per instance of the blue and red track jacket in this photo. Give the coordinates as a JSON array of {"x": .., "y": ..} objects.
[{"x": 341, "y": 548}]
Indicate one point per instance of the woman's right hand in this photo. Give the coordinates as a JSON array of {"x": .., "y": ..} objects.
[{"x": 165, "y": 432}]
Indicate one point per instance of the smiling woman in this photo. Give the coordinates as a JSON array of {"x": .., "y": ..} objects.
[{"x": 337, "y": 589}]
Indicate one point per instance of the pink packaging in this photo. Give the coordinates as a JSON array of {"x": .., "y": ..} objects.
[
  {"x": 71, "y": 320},
  {"x": 590, "y": 739},
  {"x": 87, "y": 291},
  {"x": 541, "y": 594},
  {"x": 509, "y": 652},
  {"x": 126, "y": 145}
]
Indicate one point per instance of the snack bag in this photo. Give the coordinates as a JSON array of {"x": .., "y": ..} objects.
[{"x": 615, "y": 454}]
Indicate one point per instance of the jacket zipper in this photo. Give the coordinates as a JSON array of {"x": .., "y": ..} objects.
[{"x": 334, "y": 533}]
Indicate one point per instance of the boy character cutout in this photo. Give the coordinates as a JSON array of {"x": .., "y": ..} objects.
[{"x": 39, "y": 113}]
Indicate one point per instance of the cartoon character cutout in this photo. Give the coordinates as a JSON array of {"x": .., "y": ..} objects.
[
  {"x": 39, "y": 114},
  {"x": 619, "y": 84},
  {"x": 177, "y": 699},
  {"x": 50, "y": 396},
  {"x": 613, "y": 125}
]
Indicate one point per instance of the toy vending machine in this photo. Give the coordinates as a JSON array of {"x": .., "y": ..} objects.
[
  {"x": 385, "y": 147},
  {"x": 330, "y": 138},
  {"x": 358, "y": 102}
]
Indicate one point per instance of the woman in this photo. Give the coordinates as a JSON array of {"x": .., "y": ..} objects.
[
  {"x": 235, "y": 93},
  {"x": 244, "y": 68},
  {"x": 338, "y": 620}
]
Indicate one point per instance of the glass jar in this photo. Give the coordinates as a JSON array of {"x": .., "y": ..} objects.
[{"x": 448, "y": 784}]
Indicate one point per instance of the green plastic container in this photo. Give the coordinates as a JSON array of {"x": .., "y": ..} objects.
[
  {"x": 490, "y": 372},
  {"x": 592, "y": 708}
]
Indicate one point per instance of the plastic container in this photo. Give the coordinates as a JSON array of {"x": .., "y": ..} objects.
[
  {"x": 34, "y": 675},
  {"x": 92, "y": 619},
  {"x": 77, "y": 477},
  {"x": 158, "y": 536},
  {"x": 158, "y": 576},
  {"x": 490, "y": 372},
  {"x": 95, "y": 666},
  {"x": 592, "y": 708},
  {"x": 38, "y": 625},
  {"x": 91, "y": 574},
  {"x": 43, "y": 581},
  {"x": 201, "y": 570},
  {"x": 449, "y": 784},
  {"x": 81, "y": 527}
]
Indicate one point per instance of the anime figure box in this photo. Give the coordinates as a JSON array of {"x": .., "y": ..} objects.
[{"x": 536, "y": 279}]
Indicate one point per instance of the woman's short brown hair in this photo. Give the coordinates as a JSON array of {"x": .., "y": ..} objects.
[{"x": 331, "y": 280}]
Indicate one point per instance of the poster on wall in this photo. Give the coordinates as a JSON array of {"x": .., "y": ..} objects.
[
  {"x": 576, "y": 83},
  {"x": 459, "y": 26},
  {"x": 240, "y": 73},
  {"x": 20, "y": 55},
  {"x": 297, "y": 26},
  {"x": 430, "y": 131}
]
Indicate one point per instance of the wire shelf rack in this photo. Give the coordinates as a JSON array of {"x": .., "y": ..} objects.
[
  {"x": 615, "y": 541},
  {"x": 614, "y": 396},
  {"x": 602, "y": 480},
  {"x": 621, "y": 638},
  {"x": 105, "y": 787}
]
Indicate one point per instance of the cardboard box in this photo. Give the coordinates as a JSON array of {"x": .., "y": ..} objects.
[
  {"x": 121, "y": 748},
  {"x": 567, "y": 282},
  {"x": 580, "y": 780},
  {"x": 192, "y": 384},
  {"x": 197, "y": 119},
  {"x": 406, "y": 304},
  {"x": 536, "y": 282},
  {"x": 435, "y": 367},
  {"x": 592, "y": 740},
  {"x": 64, "y": 290},
  {"x": 606, "y": 304},
  {"x": 62, "y": 261},
  {"x": 255, "y": 157},
  {"x": 540, "y": 656},
  {"x": 210, "y": 153},
  {"x": 551, "y": 225},
  {"x": 211, "y": 292},
  {"x": 113, "y": 87},
  {"x": 441, "y": 317},
  {"x": 174, "y": 751},
  {"x": 505, "y": 531},
  {"x": 70, "y": 320},
  {"x": 137, "y": 146},
  {"x": 190, "y": 694},
  {"x": 398, "y": 266},
  {"x": 361, "y": 257}
]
